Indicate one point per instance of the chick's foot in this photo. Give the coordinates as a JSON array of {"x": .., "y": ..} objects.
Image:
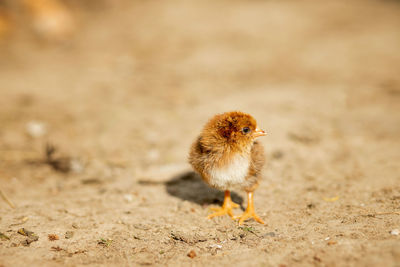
[
  {"x": 249, "y": 212},
  {"x": 226, "y": 208},
  {"x": 248, "y": 215}
]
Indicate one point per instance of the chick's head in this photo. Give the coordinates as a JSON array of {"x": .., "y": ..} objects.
[{"x": 234, "y": 129}]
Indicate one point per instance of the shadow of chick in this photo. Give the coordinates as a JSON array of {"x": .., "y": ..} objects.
[{"x": 189, "y": 186}]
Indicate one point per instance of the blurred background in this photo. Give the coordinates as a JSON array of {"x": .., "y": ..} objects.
[
  {"x": 94, "y": 86},
  {"x": 114, "y": 77}
]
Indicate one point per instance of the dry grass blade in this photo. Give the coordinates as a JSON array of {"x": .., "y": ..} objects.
[{"x": 5, "y": 198}]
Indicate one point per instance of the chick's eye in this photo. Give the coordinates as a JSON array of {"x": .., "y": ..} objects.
[{"x": 246, "y": 130}]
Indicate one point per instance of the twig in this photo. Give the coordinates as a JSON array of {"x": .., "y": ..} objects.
[
  {"x": 381, "y": 213},
  {"x": 388, "y": 213},
  {"x": 4, "y": 197}
]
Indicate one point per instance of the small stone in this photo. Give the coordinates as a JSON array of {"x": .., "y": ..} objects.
[
  {"x": 29, "y": 240},
  {"x": 316, "y": 258},
  {"x": 35, "y": 129},
  {"x": 76, "y": 166},
  {"x": 74, "y": 225},
  {"x": 69, "y": 234},
  {"x": 32, "y": 237},
  {"x": 192, "y": 254},
  {"x": 53, "y": 237},
  {"x": 311, "y": 206},
  {"x": 395, "y": 232},
  {"x": 128, "y": 197}
]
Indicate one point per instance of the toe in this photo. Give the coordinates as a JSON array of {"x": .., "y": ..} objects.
[
  {"x": 247, "y": 215},
  {"x": 235, "y": 205},
  {"x": 213, "y": 215},
  {"x": 230, "y": 213},
  {"x": 243, "y": 218},
  {"x": 258, "y": 219},
  {"x": 220, "y": 212}
]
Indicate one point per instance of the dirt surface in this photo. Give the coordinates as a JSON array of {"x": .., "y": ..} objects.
[{"x": 122, "y": 101}]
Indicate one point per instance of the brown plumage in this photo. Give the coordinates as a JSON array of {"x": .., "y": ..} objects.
[{"x": 227, "y": 157}]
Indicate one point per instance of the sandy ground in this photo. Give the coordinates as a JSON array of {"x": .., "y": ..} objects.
[{"x": 127, "y": 95}]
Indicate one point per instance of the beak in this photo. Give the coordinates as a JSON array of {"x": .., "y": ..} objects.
[{"x": 258, "y": 132}]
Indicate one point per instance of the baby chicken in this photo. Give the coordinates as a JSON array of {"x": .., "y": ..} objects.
[{"x": 227, "y": 157}]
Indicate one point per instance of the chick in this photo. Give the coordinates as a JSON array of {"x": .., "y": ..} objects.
[{"x": 227, "y": 157}]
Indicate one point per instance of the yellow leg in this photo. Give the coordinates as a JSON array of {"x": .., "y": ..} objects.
[
  {"x": 226, "y": 207},
  {"x": 249, "y": 212}
]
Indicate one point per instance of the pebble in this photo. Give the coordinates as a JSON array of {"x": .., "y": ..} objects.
[
  {"x": 395, "y": 232},
  {"x": 35, "y": 129},
  {"x": 76, "y": 166},
  {"x": 192, "y": 254},
  {"x": 69, "y": 234},
  {"x": 128, "y": 197}
]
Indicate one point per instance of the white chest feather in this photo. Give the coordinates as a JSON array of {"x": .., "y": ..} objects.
[{"x": 231, "y": 174}]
